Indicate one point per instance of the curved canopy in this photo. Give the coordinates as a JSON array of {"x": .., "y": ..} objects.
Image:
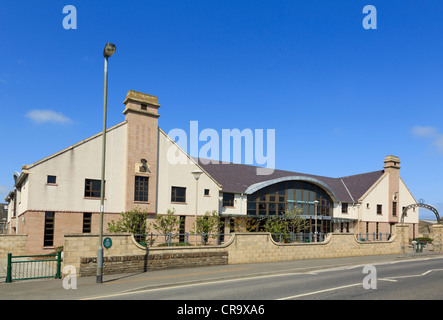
[{"x": 260, "y": 185}]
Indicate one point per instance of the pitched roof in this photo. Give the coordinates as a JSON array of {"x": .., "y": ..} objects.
[{"x": 237, "y": 178}]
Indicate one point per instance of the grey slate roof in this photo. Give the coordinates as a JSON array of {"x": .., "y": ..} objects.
[{"x": 236, "y": 178}]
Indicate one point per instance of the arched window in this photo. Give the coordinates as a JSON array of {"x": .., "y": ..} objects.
[{"x": 276, "y": 198}]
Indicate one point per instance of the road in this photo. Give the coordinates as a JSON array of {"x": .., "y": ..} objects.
[{"x": 400, "y": 280}]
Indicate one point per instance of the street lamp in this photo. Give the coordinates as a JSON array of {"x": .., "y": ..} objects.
[
  {"x": 107, "y": 52},
  {"x": 197, "y": 174},
  {"x": 316, "y": 202}
]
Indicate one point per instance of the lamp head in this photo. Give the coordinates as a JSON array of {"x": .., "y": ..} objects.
[
  {"x": 109, "y": 50},
  {"x": 197, "y": 174}
]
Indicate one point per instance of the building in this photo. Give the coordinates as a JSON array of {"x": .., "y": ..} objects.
[
  {"x": 3, "y": 217},
  {"x": 60, "y": 194}
]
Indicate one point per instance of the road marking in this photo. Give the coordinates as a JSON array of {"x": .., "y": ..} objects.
[
  {"x": 387, "y": 279},
  {"x": 390, "y": 279},
  {"x": 140, "y": 290},
  {"x": 320, "y": 291},
  {"x": 176, "y": 276}
]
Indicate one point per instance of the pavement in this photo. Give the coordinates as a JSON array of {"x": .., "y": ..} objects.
[{"x": 87, "y": 288}]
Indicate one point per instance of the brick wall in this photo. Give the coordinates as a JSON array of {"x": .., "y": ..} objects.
[{"x": 33, "y": 224}]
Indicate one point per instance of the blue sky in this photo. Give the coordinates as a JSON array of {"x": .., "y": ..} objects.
[{"x": 339, "y": 97}]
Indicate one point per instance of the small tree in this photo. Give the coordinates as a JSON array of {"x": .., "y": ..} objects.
[
  {"x": 277, "y": 226},
  {"x": 295, "y": 222},
  {"x": 245, "y": 224},
  {"x": 209, "y": 223},
  {"x": 166, "y": 224},
  {"x": 133, "y": 221}
]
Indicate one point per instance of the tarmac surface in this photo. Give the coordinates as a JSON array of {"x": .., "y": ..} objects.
[{"x": 86, "y": 287}]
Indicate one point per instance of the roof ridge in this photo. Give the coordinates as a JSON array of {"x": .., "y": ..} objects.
[{"x": 253, "y": 166}]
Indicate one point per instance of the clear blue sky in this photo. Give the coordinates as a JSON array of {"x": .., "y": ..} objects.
[{"x": 339, "y": 97}]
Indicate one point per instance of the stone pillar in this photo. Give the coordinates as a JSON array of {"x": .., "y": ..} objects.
[
  {"x": 437, "y": 237},
  {"x": 402, "y": 234}
]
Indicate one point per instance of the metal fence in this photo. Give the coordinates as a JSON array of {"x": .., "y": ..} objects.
[
  {"x": 216, "y": 239},
  {"x": 373, "y": 236},
  {"x": 181, "y": 239},
  {"x": 33, "y": 267},
  {"x": 300, "y": 237}
]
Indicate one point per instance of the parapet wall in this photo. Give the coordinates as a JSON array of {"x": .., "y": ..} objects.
[
  {"x": 125, "y": 255},
  {"x": 12, "y": 243}
]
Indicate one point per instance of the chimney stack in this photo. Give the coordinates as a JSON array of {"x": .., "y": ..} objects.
[
  {"x": 141, "y": 114},
  {"x": 392, "y": 168}
]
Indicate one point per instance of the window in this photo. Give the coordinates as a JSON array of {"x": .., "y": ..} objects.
[
  {"x": 228, "y": 199},
  {"x": 93, "y": 188},
  {"x": 48, "y": 238},
  {"x": 141, "y": 189},
  {"x": 51, "y": 180},
  {"x": 290, "y": 195},
  {"x": 344, "y": 208},
  {"x": 379, "y": 209},
  {"x": 144, "y": 107},
  {"x": 87, "y": 222},
  {"x": 178, "y": 194},
  {"x": 394, "y": 208},
  {"x": 207, "y": 192}
]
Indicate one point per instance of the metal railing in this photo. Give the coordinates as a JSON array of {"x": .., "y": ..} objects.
[
  {"x": 373, "y": 236},
  {"x": 33, "y": 267},
  {"x": 216, "y": 239},
  {"x": 299, "y": 237},
  {"x": 181, "y": 239}
]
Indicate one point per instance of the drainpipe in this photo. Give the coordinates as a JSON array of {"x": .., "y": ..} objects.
[{"x": 241, "y": 203}]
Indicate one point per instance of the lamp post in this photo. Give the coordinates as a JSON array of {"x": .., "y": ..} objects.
[
  {"x": 107, "y": 52},
  {"x": 197, "y": 174},
  {"x": 316, "y": 202}
]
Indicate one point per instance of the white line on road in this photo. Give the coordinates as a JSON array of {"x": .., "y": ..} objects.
[
  {"x": 390, "y": 279},
  {"x": 320, "y": 291}
]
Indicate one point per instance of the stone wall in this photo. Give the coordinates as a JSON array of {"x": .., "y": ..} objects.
[
  {"x": 260, "y": 247},
  {"x": 11, "y": 243},
  {"x": 126, "y": 255},
  {"x": 437, "y": 236},
  {"x": 150, "y": 262}
]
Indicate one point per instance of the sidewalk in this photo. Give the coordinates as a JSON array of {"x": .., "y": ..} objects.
[{"x": 52, "y": 289}]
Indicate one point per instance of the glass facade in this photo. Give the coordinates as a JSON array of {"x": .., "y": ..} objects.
[{"x": 275, "y": 199}]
